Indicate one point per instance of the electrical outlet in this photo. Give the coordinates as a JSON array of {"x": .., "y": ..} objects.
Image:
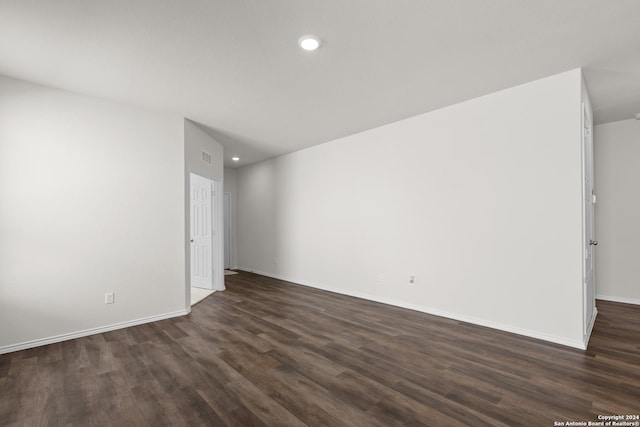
[{"x": 109, "y": 298}]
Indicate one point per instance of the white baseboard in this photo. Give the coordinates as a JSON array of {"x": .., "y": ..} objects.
[
  {"x": 86, "y": 332},
  {"x": 619, "y": 299},
  {"x": 430, "y": 310}
]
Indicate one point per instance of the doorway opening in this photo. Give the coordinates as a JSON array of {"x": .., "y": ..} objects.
[
  {"x": 205, "y": 243},
  {"x": 227, "y": 231},
  {"x": 589, "y": 242}
]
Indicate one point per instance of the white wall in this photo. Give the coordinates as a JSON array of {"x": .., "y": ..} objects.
[
  {"x": 617, "y": 150},
  {"x": 480, "y": 201},
  {"x": 91, "y": 201},
  {"x": 195, "y": 142},
  {"x": 231, "y": 187}
]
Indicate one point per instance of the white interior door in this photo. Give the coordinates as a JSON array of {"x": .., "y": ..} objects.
[
  {"x": 227, "y": 230},
  {"x": 202, "y": 272},
  {"x": 589, "y": 239}
]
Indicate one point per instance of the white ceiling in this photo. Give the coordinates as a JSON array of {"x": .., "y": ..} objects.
[{"x": 234, "y": 66}]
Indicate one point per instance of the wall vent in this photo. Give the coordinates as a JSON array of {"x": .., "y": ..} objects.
[{"x": 206, "y": 157}]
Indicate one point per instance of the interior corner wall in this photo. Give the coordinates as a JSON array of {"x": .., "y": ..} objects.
[
  {"x": 91, "y": 201},
  {"x": 231, "y": 187},
  {"x": 197, "y": 141},
  {"x": 617, "y": 150},
  {"x": 480, "y": 201}
]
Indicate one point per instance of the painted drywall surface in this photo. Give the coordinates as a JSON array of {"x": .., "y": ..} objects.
[
  {"x": 90, "y": 202},
  {"x": 195, "y": 142},
  {"x": 231, "y": 187},
  {"x": 617, "y": 150},
  {"x": 480, "y": 201},
  {"x": 258, "y": 234}
]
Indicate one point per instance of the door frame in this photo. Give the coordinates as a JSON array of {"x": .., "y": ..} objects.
[
  {"x": 587, "y": 143},
  {"x": 227, "y": 220},
  {"x": 217, "y": 237},
  {"x": 206, "y": 186}
]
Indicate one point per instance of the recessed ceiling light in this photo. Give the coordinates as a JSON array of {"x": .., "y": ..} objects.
[
  {"x": 309, "y": 42},
  {"x": 235, "y": 159}
]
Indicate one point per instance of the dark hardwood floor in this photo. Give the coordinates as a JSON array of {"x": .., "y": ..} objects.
[{"x": 266, "y": 352}]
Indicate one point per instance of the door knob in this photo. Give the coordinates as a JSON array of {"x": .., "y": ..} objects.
[
  {"x": 192, "y": 241},
  {"x": 593, "y": 242}
]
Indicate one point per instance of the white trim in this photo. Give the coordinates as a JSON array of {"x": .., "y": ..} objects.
[
  {"x": 92, "y": 331},
  {"x": 429, "y": 310},
  {"x": 586, "y": 145},
  {"x": 218, "y": 236},
  {"x": 587, "y": 337},
  {"x": 618, "y": 299},
  {"x": 227, "y": 215}
]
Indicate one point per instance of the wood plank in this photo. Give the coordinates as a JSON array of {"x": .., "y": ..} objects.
[{"x": 268, "y": 353}]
